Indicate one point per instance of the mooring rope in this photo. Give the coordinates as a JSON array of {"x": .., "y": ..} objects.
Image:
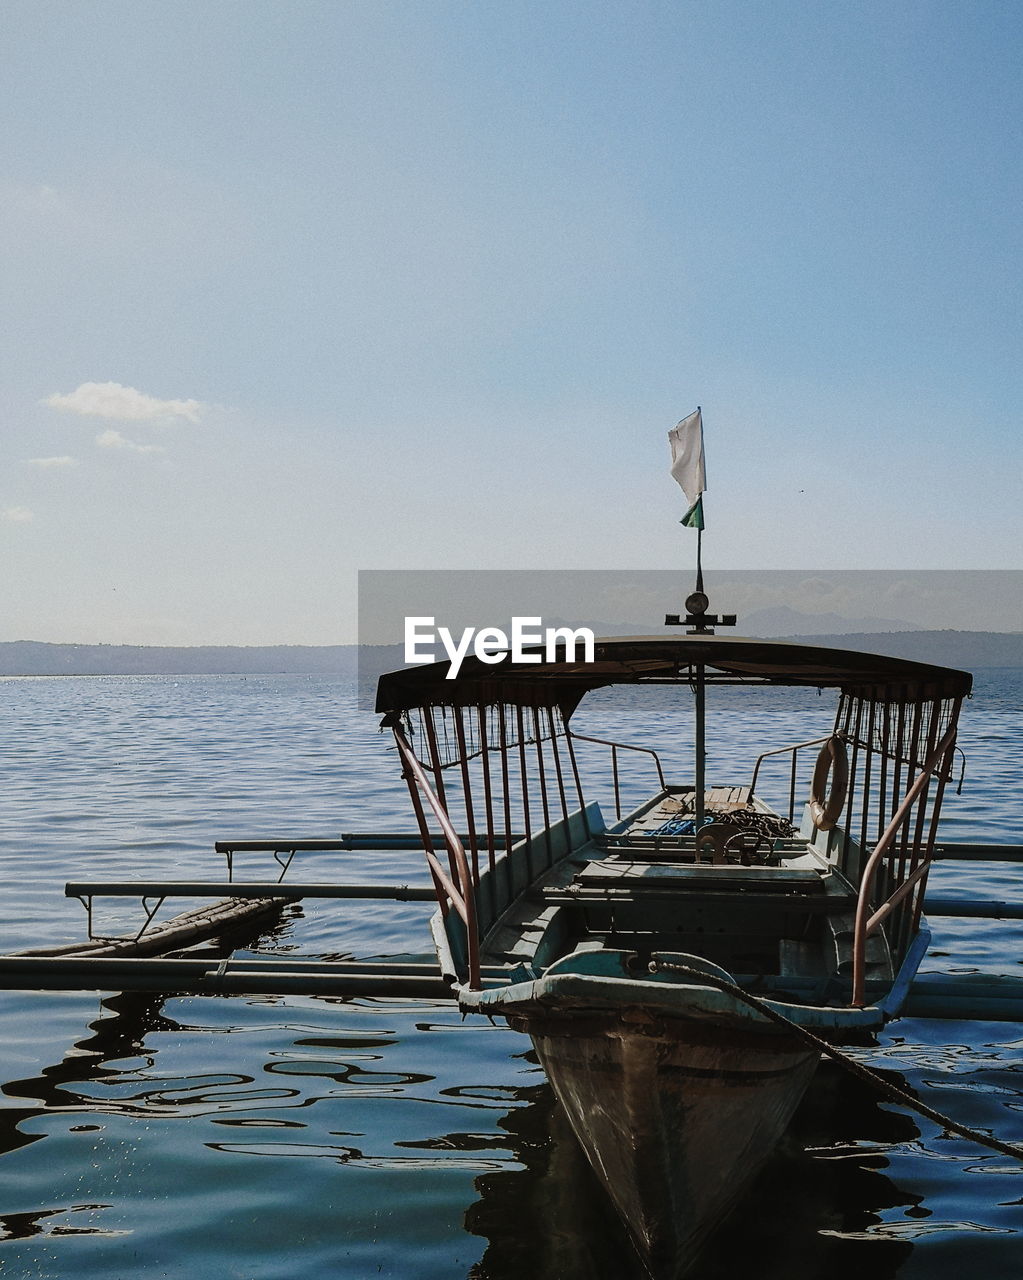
[{"x": 850, "y": 1064}]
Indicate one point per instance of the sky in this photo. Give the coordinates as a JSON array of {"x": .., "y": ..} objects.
[{"x": 293, "y": 290}]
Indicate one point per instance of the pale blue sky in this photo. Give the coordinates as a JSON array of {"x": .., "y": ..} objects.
[{"x": 424, "y": 285}]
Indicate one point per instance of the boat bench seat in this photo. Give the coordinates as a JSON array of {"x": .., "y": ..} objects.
[
  {"x": 618, "y": 881},
  {"x": 621, "y": 872},
  {"x": 755, "y": 896},
  {"x": 638, "y": 838}
]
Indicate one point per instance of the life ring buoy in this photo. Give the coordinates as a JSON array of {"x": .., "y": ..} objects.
[{"x": 833, "y": 760}]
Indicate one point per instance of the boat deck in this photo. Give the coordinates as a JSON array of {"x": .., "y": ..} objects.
[{"x": 644, "y": 883}]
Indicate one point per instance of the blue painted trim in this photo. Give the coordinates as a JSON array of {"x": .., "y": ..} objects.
[{"x": 892, "y": 1003}]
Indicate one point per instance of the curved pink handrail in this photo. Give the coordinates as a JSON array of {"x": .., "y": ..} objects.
[
  {"x": 867, "y": 921},
  {"x": 462, "y": 897}
]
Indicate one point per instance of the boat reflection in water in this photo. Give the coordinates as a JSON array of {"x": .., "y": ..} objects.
[
  {"x": 807, "y": 1214},
  {"x": 813, "y": 1211}
]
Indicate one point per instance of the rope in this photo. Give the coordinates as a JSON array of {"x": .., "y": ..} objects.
[
  {"x": 763, "y": 824},
  {"x": 856, "y": 1068}
]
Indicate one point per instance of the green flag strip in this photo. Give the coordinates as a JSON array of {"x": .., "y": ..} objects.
[{"x": 693, "y": 518}]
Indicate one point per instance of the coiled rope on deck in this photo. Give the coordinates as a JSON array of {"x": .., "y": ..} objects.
[
  {"x": 767, "y": 825},
  {"x": 850, "y": 1064}
]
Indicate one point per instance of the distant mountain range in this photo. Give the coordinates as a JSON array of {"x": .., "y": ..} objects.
[
  {"x": 968, "y": 650},
  {"x": 783, "y": 621}
]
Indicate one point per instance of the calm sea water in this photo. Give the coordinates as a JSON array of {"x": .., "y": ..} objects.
[{"x": 303, "y": 1138}]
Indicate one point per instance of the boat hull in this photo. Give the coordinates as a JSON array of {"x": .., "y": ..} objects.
[{"x": 676, "y": 1116}]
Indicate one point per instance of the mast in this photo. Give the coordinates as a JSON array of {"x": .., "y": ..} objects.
[
  {"x": 700, "y": 747},
  {"x": 701, "y": 623},
  {"x": 689, "y": 470}
]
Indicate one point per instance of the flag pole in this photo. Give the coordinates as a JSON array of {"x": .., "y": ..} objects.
[
  {"x": 687, "y": 468},
  {"x": 700, "y": 743},
  {"x": 699, "y": 559},
  {"x": 699, "y": 529}
]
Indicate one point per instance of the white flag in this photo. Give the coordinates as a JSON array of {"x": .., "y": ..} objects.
[{"x": 687, "y": 464}]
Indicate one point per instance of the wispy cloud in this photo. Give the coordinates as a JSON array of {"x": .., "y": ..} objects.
[
  {"x": 114, "y": 440},
  {"x": 128, "y": 210},
  {"x": 17, "y": 515},
  {"x": 64, "y": 460},
  {"x": 112, "y": 400},
  {"x": 32, "y": 200}
]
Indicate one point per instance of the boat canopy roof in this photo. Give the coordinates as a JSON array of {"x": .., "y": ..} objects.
[{"x": 664, "y": 660}]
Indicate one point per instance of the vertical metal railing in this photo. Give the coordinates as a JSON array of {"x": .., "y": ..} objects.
[
  {"x": 781, "y": 751},
  {"x": 496, "y": 739},
  {"x": 615, "y": 748},
  {"x": 558, "y": 768},
  {"x": 542, "y": 776}
]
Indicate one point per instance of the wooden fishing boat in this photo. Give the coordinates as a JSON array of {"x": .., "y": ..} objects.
[{"x": 673, "y": 963}]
